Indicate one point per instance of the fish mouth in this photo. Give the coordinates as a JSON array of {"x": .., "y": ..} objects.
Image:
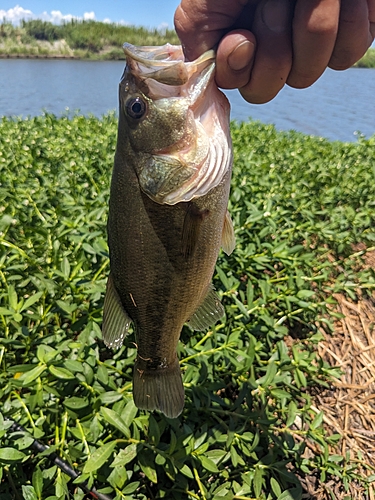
[{"x": 165, "y": 72}]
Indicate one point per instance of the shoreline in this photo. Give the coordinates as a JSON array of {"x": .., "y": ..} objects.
[
  {"x": 100, "y": 57},
  {"x": 103, "y": 56},
  {"x": 37, "y": 56}
]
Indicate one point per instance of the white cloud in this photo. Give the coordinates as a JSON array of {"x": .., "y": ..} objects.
[
  {"x": 89, "y": 16},
  {"x": 18, "y": 13},
  {"x": 55, "y": 17}
]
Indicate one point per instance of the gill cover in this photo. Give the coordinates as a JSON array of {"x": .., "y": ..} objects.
[{"x": 191, "y": 152}]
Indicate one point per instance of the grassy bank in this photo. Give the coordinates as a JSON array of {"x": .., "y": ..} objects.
[
  {"x": 367, "y": 61},
  {"x": 89, "y": 40},
  {"x": 78, "y": 39},
  {"x": 250, "y": 423}
]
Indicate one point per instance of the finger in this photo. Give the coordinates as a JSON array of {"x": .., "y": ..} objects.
[
  {"x": 353, "y": 37},
  {"x": 234, "y": 59},
  {"x": 315, "y": 27},
  {"x": 200, "y": 24},
  {"x": 273, "y": 58}
]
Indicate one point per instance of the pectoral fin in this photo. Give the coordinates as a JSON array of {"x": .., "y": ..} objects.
[
  {"x": 191, "y": 229},
  {"x": 228, "y": 241},
  {"x": 116, "y": 321},
  {"x": 210, "y": 311}
]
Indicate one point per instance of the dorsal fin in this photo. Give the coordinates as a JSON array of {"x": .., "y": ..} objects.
[
  {"x": 210, "y": 311},
  {"x": 116, "y": 321},
  {"x": 228, "y": 241}
]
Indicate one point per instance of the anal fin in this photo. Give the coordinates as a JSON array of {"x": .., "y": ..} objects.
[
  {"x": 208, "y": 313},
  {"x": 116, "y": 321},
  {"x": 228, "y": 241},
  {"x": 159, "y": 389}
]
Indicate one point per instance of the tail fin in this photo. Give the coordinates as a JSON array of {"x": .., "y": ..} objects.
[{"x": 159, "y": 389}]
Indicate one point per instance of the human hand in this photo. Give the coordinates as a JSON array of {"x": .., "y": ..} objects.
[{"x": 263, "y": 44}]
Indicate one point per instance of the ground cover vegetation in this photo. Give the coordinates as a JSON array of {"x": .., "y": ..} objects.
[
  {"x": 298, "y": 203},
  {"x": 89, "y": 40}
]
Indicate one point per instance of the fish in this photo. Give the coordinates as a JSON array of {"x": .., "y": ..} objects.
[{"x": 168, "y": 215}]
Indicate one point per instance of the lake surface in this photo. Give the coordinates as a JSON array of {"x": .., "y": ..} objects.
[{"x": 336, "y": 107}]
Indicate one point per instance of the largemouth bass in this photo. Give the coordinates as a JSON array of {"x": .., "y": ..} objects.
[{"x": 167, "y": 213}]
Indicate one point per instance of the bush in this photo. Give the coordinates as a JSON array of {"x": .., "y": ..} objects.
[{"x": 42, "y": 30}]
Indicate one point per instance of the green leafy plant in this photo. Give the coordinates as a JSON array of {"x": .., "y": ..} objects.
[{"x": 299, "y": 204}]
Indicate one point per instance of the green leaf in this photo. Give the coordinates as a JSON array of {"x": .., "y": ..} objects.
[
  {"x": 268, "y": 378},
  {"x": 146, "y": 461},
  {"x": 37, "y": 481},
  {"x": 126, "y": 455},
  {"x": 61, "y": 373},
  {"x": 75, "y": 403},
  {"x": 66, "y": 306},
  {"x": 12, "y": 297},
  {"x": 292, "y": 413},
  {"x": 118, "y": 477},
  {"x": 110, "y": 397},
  {"x": 318, "y": 420},
  {"x": 216, "y": 455},
  {"x": 280, "y": 393},
  {"x": 31, "y": 301},
  {"x": 28, "y": 493},
  {"x": 45, "y": 353},
  {"x": 130, "y": 488},
  {"x": 153, "y": 431},
  {"x": 9, "y": 455},
  {"x": 186, "y": 471},
  {"x": 114, "y": 419},
  {"x": 276, "y": 489},
  {"x": 99, "y": 457},
  {"x": 65, "y": 268},
  {"x": 208, "y": 464},
  {"x": 305, "y": 294},
  {"x": 249, "y": 294},
  {"x": 5, "y": 312},
  {"x": 258, "y": 481},
  {"x": 31, "y": 375},
  {"x": 24, "y": 442},
  {"x": 129, "y": 413},
  {"x": 17, "y": 317},
  {"x": 73, "y": 365}
]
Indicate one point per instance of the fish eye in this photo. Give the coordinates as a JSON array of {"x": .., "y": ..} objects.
[{"x": 136, "y": 108}]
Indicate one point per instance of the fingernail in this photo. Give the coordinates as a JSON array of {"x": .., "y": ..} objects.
[
  {"x": 241, "y": 56},
  {"x": 275, "y": 15}
]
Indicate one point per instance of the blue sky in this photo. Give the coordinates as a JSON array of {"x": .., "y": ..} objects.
[{"x": 148, "y": 13}]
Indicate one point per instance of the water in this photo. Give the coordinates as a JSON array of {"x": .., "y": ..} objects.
[{"x": 337, "y": 106}]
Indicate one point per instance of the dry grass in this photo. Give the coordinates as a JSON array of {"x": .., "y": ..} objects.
[{"x": 349, "y": 405}]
